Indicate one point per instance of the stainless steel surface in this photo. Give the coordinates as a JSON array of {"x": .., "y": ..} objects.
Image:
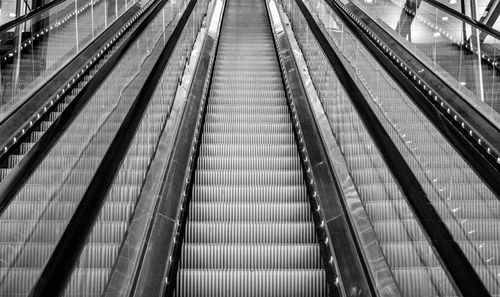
[{"x": 381, "y": 274}]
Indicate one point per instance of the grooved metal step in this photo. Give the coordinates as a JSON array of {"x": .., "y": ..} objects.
[
  {"x": 268, "y": 212},
  {"x": 261, "y": 257},
  {"x": 248, "y": 283}
]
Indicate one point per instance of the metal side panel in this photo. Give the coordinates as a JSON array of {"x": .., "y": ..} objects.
[
  {"x": 122, "y": 277},
  {"x": 365, "y": 234},
  {"x": 154, "y": 277},
  {"x": 324, "y": 188}
]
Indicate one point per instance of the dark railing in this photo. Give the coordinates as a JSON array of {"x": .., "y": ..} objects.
[
  {"x": 28, "y": 7},
  {"x": 476, "y": 24},
  {"x": 32, "y": 14}
]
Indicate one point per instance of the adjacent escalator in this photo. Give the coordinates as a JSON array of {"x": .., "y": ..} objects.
[
  {"x": 461, "y": 200},
  {"x": 33, "y": 223}
]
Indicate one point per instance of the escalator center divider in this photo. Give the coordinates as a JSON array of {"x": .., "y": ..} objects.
[
  {"x": 475, "y": 137},
  {"x": 460, "y": 271},
  {"x": 158, "y": 266},
  {"x": 56, "y": 273},
  {"x": 11, "y": 184},
  {"x": 341, "y": 253}
]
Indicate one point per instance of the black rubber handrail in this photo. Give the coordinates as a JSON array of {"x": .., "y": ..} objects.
[
  {"x": 462, "y": 274},
  {"x": 57, "y": 272},
  {"x": 27, "y": 5},
  {"x": 30, "y": 15},
  {"x": 478, "y": 25}
]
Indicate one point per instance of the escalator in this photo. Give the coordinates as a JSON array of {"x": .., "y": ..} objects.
[
  {"x": 33, "y": 222},
  {"x": 461, "y": 200},
  {"x": 249, "y": 230},
  {"x": 252, "y": 226},
  {"x": 241, "y": 237}
]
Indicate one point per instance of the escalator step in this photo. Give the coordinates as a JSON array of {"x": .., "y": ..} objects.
[
  {"x": 267, "y": 212},
  {"x": 250, "y": 232},
  {"x": 249, "y": 163},
  {"x": 248, "y": 150},
  {"x": 249, "y": 194},
  {"x": 245, "y": 177},
  {"x": 248, "y": 283},
  {"x": 243, "y": 256}
]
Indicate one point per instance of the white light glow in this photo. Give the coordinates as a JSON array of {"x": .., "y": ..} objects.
[
  {"x": 275, "y": 17},
  {"x": 212, "y": 29}
]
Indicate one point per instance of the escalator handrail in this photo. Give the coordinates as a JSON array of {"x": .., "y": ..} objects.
[
  {"x": 464, "y": 18},
  {"x": 56, "y": 274},
  {"x": 34, "y": 13},
  {"x": 462, "y": 274}
]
